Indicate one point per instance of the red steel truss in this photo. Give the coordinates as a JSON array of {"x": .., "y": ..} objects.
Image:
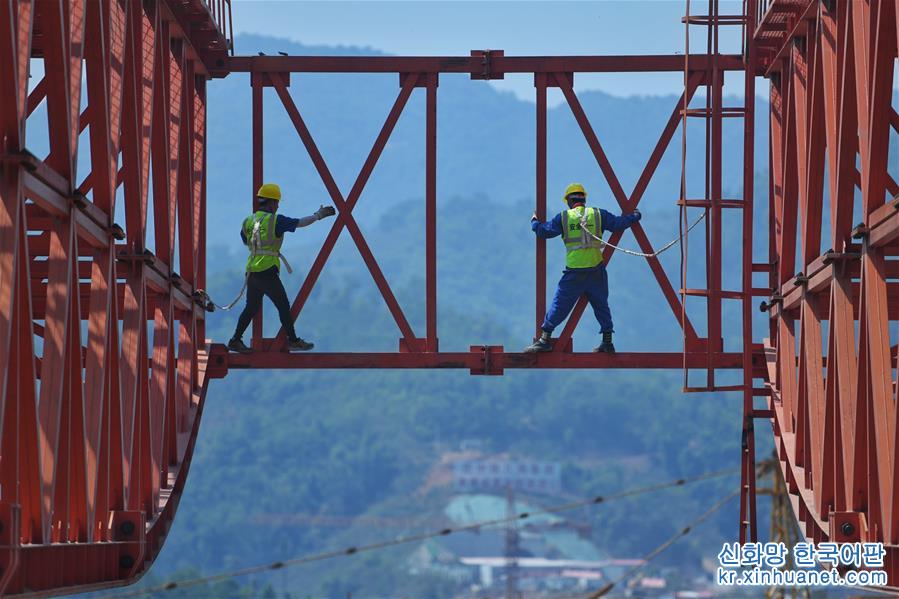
[
  {"x": 830, "y": 354},
  {"x": 416, "y": 351},
  {"x": 98, "y": 417},
  {"x": 104, "y": 365}
]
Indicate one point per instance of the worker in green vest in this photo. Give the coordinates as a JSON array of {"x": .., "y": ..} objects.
[
  {"x": 263, "y": 232},
  {"x": 585, "y": 272}
]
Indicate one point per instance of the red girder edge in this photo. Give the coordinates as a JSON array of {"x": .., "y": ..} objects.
[{"x": 156, "y": 530}]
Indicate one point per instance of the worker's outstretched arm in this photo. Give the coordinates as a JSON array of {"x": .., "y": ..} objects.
[
  {"x": 285, "y": 223},
  {"x": 548, "y": 229},
  {"x": 613, "y": 223}
]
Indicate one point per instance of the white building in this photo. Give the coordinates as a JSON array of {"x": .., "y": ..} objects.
[{"x": 497, "y": 474}]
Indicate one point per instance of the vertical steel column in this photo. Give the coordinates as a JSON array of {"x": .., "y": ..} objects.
[
  {"x": 257, "y": 145},
  {"x": 431, "y": 212},
  {"x": 748, "y": 479},
  {"x": 716, "y": 150},
  {"x": 200, "y": 125},
  {"x": 540, "y": 195}
]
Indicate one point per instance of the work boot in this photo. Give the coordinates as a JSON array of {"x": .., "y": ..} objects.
[
  {"x": 606, "y": 346},
  {"x": 299, "y": 344},
  {"x": 543, "y": 344},
  {"x": 236, "y": 344}
]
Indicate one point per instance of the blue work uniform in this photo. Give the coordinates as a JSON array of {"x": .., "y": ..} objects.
[{"x": 593, "y": 281}]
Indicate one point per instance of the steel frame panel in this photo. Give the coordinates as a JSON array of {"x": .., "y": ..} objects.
[{"x": 273, "y": 72}]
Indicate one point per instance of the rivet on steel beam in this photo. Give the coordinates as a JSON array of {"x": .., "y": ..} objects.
[
  {"x": 847, "y": 529},
  {"x": 126, "y": 562},
  {"x": 127, "y": 528},
  {"x": 800, "y": 279}
]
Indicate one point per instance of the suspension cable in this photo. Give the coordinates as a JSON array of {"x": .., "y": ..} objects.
[
  {"x": 403, "y": 540},
  {"x": 671, "y": 541}
]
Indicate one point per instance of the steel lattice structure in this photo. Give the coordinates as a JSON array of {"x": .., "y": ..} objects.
[
  {"x": 97, "y": 430},
  {"x": 833, "y": 390}
]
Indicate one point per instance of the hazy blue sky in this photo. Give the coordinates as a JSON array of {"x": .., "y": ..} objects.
[{"x": 440, "y": 27}]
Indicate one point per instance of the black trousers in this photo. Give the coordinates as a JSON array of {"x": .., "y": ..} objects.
[{"x": 267, "y": 283}]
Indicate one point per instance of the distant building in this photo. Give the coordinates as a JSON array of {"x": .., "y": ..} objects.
[
  {"x": 552, "y": 554},
  {"x": 497, "y": 474}
]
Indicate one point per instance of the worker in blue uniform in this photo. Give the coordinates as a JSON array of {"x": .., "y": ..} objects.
[
  {"x": 263, "y": 233},
  {"x": 585, "y": 272}
]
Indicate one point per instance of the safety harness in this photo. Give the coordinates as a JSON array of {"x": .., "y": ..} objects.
[
  {"x": 270, "y": 247},
  {"x": 586, "y": 239},
  {"x": 259, "y": 248}
]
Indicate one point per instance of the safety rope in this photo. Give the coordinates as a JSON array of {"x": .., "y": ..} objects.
[
  {"x": 243, "y": 290},
  {"x": 254, "y": 245},
  {"x": 641, "y": 254}
]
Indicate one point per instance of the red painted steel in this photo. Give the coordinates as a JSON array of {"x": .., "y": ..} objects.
[
  {"x": 831, "y": 386},
  {"x": 98, "y": 461},
  {"x": 97, "y": 431}
]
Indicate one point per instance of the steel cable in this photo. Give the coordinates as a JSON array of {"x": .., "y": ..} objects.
[{"x": 402, "y": 540}]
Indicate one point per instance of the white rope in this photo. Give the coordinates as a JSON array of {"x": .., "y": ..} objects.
[
  {"x": 236, "y": 299},
  {"x": 641, "y": 254},
  {"x": 255, "y": 243}
]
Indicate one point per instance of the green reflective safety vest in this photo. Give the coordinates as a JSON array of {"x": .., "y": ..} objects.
[
  {"x": 264, "y": 245},
  {"x": 582, "y": 249}
]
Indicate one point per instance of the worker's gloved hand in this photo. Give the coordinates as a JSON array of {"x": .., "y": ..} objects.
[
  {"x": 534, "y": 217},
  {"x": 324, "y": 211},
  {"x": 637, "y": 214}
]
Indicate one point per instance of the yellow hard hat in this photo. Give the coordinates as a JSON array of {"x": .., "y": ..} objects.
[
  {"x": 270, "y": 191},
  {"x": 573, "y": 188}
]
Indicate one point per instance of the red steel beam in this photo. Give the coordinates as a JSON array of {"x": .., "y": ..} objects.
[
  {"x": 473, "y": 360},
  {"x": 473, "y": 64}
]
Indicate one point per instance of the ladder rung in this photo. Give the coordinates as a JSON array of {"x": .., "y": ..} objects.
[
  {"x": 724, "y": 294},
  {"x": 710, "y": 19},
  {"x": 706, "y": 203},
  {"x": 761, "y": 267},
  {"x": 712, "y": 389},
  {"x": 727, "y": 111}
]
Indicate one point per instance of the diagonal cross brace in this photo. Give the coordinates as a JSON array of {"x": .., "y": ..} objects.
[
  {"x": 629, "y": 203},
  {"x": 345, "y": 207}
]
